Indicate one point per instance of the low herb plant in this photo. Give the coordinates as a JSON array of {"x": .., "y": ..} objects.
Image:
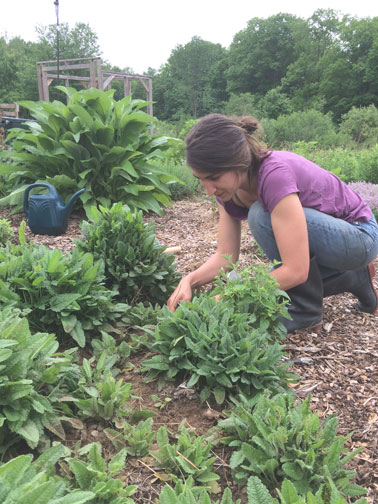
[
  {"x": 137, "y": 439},
  {"x": 31, "y": 382},
  {"x": 23, "y": 481},
  {"x": 253, "y": 290},
  {"x": 92, "y": 472},
  {"x": 277, "y": 439},
  {"x": 64, "y": 293},
  {"x": 188, "y": 496},
  {"x": 190, "y": 456},
  {"x": 6, "y": 232},
  {"x": 135, "y": 262},
  {"x": 217, "y": 349},
  {"x": 116, "y": 354},
  {"x": 99, "y": 394}
]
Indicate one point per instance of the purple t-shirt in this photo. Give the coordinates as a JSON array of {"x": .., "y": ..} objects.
[{"x": 284, "y": 173}]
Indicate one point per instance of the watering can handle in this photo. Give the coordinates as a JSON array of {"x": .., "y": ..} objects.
[{"x": 27, "y": 190}]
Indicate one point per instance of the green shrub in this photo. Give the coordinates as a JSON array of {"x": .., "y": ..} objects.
[
  {"x": 188, "y": 184},
  {"x": 273, "y": 438},
  {"x": 31, "y": 382},
  {"x": 64, "y": 293},
  {"x": 93, "y": 142},
  {"x": 361, "y": 125},
  {"x": 135, "y": 263},
  {"x": 307, "y": 126}
]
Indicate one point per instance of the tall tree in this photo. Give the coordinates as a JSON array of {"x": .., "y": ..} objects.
[{"x": 260, "y": 55}]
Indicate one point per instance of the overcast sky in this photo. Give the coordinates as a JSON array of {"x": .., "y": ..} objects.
[{"x": 142, "y": 34}]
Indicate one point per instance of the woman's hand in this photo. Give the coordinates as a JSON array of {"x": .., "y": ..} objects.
[{"x": 183, "y": 292}]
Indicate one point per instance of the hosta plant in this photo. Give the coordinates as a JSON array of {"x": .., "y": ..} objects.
[
  {"x": 92, "y": 142},
  {"x": 277, "y": 439},
  {"x": 135, "y": 262},
  {"x": 217, "y": 349},
  {"x": 23, "y": 481},
  {"x": 31, "y": 382},
  {"x": 64, "y": 292},
  {"x": 190, "y": 455},
  {"x": 92, "y": 472}
]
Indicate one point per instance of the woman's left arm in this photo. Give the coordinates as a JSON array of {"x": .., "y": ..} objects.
[{"x": 290, "y": 231}]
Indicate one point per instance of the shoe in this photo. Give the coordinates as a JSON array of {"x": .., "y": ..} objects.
[
  {"x": 306, "y": 306},
  {"x": 357, "y": 282}
]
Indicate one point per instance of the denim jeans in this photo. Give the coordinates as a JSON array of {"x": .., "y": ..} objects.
[{"x": 337, "y": 245}]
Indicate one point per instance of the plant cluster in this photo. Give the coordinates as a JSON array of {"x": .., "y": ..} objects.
[
  {"x": 135, "y": 262},
  {"x": 277, "y": 439},
  {"x": 64, "y": 293},
  {"x": 32, "y": 379},
  {"x": 223, "y": 347},
  {"x": 6, "y": 232},
  {"x": 92, "y": 142},
  {"x": 190, "y": 455}
]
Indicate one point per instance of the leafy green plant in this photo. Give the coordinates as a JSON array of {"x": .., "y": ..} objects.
[
  {"x": 115, "y": 353},
  {"x": 217, "y": 349},
  {"x": 277, "y": 439},
  {"x": 23, "y": 481},
  {"x": 99, "y": 394},
  {"x": 190, "y": 455},
  {"x": 31, "y": 382},
  {"x": 64, "y": 292},
  {"x": 188, "y": 495},
  {"x": 92, "y": 142},
  {"x": 257, "y": 493},
  {"x": 253, "y": 290},
  {"x": 5, "y": 231},
  {"x": 135, "y": 263},
  {"x": 137, "y": 439},
  {"x": 92, "y": 472}
]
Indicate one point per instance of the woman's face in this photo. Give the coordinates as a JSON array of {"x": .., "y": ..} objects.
[{"x": 224, "y": 185}]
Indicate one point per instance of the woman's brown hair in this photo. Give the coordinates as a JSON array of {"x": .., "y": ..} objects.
[{"x": 218, "y": 143}]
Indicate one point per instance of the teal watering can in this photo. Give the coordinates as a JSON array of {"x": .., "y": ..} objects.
[{"x": 47, "y": 214}]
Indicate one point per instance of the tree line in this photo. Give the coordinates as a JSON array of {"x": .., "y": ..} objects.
[{"x": 275, "y": 66}]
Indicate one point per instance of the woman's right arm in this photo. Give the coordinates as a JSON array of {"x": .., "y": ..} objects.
[{"x": 229, "y": 233}]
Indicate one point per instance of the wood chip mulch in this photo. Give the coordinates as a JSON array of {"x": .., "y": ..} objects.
[{"x": 338, "y": 365}]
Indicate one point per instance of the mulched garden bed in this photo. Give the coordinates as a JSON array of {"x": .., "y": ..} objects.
[{"x": 338, "y": 365}]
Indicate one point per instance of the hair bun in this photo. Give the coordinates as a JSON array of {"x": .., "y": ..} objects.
[{"x": 248, "y": 123}]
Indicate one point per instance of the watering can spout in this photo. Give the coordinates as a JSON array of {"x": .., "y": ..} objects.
[{"x": 71, "y": 201}]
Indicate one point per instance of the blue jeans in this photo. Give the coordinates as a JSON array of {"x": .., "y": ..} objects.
[{"x": 337, "y": 245}]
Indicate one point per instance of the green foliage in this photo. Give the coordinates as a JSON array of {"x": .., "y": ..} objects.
[
  {"x": 186, "y": 494},
  {"x": 64, "y": 293},
  {"x": 6, "y": 232},
  {"x": 25, "y": 482},
  {"x": 190, "y": 455},
  {"x": 93, "y": 142},
  {"x": 253, "y": 290},
  {"x": 188, "y": 184},
  {"x": 361, "y": 125},
  {"x": 100, "y": 395},
  {"x": 137, "y": 439},
  {"x": 115, "y": 353},
  {"x": 135, "y": 262},
  {"x": 310, "y": 125},
  {"x": 276, "y": 439},
  {"x": 31, "y": 382},
  {"x": 221, "y": 348},
  {"x": 93, "y": 473}
]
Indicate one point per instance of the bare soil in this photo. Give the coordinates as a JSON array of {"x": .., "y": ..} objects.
[{"x": 338, "y": 365}]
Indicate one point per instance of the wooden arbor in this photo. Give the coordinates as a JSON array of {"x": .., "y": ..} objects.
[{"x": 93, "y": 76}]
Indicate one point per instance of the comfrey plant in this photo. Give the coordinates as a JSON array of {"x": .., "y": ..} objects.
[{"x": 368, "y": 192}]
